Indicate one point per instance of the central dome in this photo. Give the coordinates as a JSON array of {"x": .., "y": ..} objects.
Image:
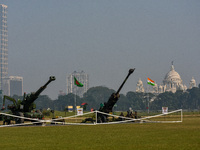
[{"x": 172, "y": 76}]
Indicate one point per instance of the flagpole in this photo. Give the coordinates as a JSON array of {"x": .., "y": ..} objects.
[
  {"x": 147, "y": 98},
  {"x": 75, "y": 100},
  {"x": 151, "y": 82},
  {"x": 78, "y": 84}
]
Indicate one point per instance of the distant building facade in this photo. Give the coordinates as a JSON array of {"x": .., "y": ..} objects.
[
  {"x": 171, "y": 83},
  {"x": 16, "y": 85},
  {"x": 3, "y": 48},
  {"x": 13, "y": 86},
  {"x": 81, "y": 77}
]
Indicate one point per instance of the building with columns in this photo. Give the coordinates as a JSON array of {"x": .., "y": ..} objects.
[{"x": 171, "y": 83}]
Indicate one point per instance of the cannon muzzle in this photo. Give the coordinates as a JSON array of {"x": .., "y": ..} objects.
[
  {"x": 37, "y": 93},
  {"x": 131, "y": 70},
  {"x": 115, "y": 96},
  {"x": 52, "y": 78},
  {"x": 129, "y": 73}
]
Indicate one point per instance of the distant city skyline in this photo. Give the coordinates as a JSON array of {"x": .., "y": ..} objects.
[
  {"x": 9, "y": 85},
  {"x": 103, "y": 38}
]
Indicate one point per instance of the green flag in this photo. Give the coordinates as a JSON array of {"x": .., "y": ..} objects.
[{"x": 76, "y": 82}]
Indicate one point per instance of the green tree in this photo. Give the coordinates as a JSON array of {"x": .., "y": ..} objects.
[
  {"x": 194, "y": 98},
  {"x": 43, "y": 102},
  {"x": 97, "y": 95},
  {"x": 137, "y": 100},
  {"x": 163, "y": 100},
  {"x": 123, "y": 103},
  {"x": 66, "y": 100}
]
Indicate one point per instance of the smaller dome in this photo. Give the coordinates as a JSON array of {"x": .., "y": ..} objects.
[
  {"x": 140, "y": 82},
  {"x": 192, "y": 83},
  {"x": 192, "y": 80},
  {"x": 139, "y": 87}
]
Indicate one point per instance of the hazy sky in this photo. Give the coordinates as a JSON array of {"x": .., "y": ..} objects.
[{"x": 104, "y": 38}]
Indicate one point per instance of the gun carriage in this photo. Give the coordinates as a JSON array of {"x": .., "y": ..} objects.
[
  {"x": 108, "y": 106},
  {"x": 25, "y": 107}
]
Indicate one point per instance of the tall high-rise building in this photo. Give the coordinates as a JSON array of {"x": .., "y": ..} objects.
[
  {"x": 3, "y": 47},
  {"x": 81, "y": 77},
  {"x": 16, "y": 85}
]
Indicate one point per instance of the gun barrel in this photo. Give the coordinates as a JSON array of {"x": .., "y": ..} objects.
[
  {"x": 37, "y": 93},
  {"x": 115, "y": 96},
  {"x": 129, "y": 73},
  {"x": 31, "y": 98}
]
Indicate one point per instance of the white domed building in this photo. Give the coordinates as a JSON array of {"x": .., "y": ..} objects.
[{"x": 171, "y": 83}]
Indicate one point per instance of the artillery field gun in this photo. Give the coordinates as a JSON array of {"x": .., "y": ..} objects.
[
  {"x": 108, "y": 106},
  {"x": 25, "y": 107}
]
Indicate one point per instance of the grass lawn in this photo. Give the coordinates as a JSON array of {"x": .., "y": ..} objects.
[{"x": 173, "y": 136}]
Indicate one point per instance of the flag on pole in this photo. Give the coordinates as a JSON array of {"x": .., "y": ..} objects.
[
  {"x": 76, "y": 82},
  {"x": 151, "y": 82}
]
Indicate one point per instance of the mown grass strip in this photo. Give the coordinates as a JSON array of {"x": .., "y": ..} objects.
[{"x": 118, "y": 136}]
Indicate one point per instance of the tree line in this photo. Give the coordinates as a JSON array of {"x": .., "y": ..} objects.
[{"x": 189, "y": 99}]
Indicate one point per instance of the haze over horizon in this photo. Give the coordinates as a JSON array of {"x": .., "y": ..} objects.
[{"x": 104, "y": 39}]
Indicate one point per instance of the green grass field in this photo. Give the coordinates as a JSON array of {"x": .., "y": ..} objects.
[{"x": 173, "y": 136}]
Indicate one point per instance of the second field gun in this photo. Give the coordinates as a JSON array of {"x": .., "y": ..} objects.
[
  {"x": 24, "y": 107},
  {"x": 108, "y": 106}
]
